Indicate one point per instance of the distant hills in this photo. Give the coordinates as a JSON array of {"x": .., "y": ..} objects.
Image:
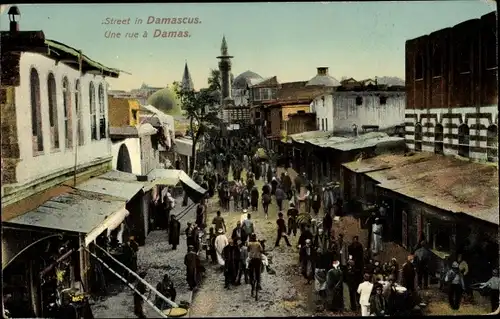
[{"x": 390, "y": 80}]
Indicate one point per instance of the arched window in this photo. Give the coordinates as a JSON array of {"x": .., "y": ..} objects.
[
  {"x": 36, "y": 113},
  {"x": 102, "y": 113},
  {"x": 438, "y": 139},
  {"x": 93, "y": 115},
  {"x": 54, "y": 125},
  {"x": 419, "y": 67},
  {"x": 492, "y": 143},
  {"x": 463, "y": 140},
  {"x": 437, "y": 61},
  {"x": 68, "y": 116},
  {"x": 418, "y": 137},
  {"x": 79, "y": 121}
]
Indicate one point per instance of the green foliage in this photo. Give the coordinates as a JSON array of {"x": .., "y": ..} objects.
[
  {"x": 214, "y": 80},
  {"x": 166, "y": 100}
]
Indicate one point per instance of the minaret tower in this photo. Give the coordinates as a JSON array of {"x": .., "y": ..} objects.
[
  {"x": 225, "y": 72},
  {"x": 187, "y": 81}
]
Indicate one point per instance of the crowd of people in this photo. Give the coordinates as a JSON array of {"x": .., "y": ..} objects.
[{"x": 327, "y": 259}]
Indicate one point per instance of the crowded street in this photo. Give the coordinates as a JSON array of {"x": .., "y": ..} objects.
[{"x": 164, "y": 161}]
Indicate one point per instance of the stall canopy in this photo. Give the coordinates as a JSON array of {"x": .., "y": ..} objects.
[
  {"x": 172, "y": 177},
  {"x": 113, "y": 184},
  {"x": 76, "y": 211}
]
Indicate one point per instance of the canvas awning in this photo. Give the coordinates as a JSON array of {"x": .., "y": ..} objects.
[
  {"x": 77, "y": 211},
  {"x": 184, "y": 146},
  {"x": 172, "y": 177}
]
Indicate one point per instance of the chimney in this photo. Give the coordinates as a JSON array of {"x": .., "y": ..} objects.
[
  {"x": 322, "y": 70},
  {"x": 13, "y": 15}
]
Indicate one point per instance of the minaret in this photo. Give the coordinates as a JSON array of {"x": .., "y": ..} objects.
[
  {"x": 187, "y": 82},
  {"x": 225, "y": 72}
]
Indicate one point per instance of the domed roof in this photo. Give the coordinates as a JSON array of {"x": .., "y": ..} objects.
[
  {"x": 167, "y": 101},
  {"x": 245, "y": 79},
  {"x": 323, "y": 79}
]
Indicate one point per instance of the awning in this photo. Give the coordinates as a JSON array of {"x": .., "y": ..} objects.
[
  {"x": 110, "y": 223},
  {"x": 184, "y": 146},
  {"x": 172, "y": 177},
  {"x": 112, "y": 187},
  {"x": 77, "y": 211}
]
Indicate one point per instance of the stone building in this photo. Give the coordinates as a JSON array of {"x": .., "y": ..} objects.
[
  {"x": 54, "y": 140},
  {"x": 358, "y": 105},
  {"x": 452, "y": 90}
]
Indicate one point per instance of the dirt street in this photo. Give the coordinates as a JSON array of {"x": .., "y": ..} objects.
[
  {"x": 157, "y": 258},
  {"x": 283, "y": 294}
]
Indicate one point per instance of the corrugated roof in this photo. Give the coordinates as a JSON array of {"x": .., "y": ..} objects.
[
  {"x": 76, "y": 211},
  {"x": 445, "y": 182},
  {"x": 116, "y": 188},
  {"x": 370, "y": 139},
  {"x": 301, "y": 137}
]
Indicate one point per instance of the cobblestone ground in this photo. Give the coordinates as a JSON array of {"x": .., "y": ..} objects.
[
  {"x": 156, "y": 257},
  {"x": 283, "y": 294}
]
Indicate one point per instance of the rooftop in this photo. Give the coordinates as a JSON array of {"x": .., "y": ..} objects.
[
  {"x": 34, "y": 41},
  {"x": 446, "y": 182},
  {"x": 348, "y": 143}
]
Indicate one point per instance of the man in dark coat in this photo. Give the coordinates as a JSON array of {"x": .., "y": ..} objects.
[
  {"x": 292, "y": 219},
  {"x": 167, "y": 289},
  {"x": 174, "y": 232},
  {"x": 190, "y": 240},
  {"x": 328, "y": 223},
  {"x": 138, "y": 301},
  {"x": 281, "y": 231},
  {"x": 280, "y": 197},
  {"x": 192, "y": 263},
  {"x": 287, "y": 186},
  {"x": 306, "y": 234},
  {"x": 355, "y": 249},
  {"x": 408, "y": 275},
  {"x": 353, "y": 280},
  {"x": 423, "y": 259},
  {"x": 254, "y": 198},
  {"x": 239, "y": 233},
  {"x": 231, "y": 255},
  {"x": 335, "y": 287},
  {"x": 307, "y": 258}
]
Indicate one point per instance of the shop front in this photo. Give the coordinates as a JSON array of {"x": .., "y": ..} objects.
[{"x": 50, "y": 273}]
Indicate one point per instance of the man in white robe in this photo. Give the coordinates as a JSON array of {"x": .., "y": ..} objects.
[{"x": 221, "y": 241}]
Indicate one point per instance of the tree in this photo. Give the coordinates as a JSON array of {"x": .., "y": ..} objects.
[
  {"x": 214, "y": 80},
  {"x": 201, "y": 109}
]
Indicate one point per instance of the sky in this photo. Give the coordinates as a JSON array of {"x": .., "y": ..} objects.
[{"x": 360, "y": 40}]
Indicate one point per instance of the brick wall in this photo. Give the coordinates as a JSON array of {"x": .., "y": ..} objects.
[{"x": 447, "y": 80}]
